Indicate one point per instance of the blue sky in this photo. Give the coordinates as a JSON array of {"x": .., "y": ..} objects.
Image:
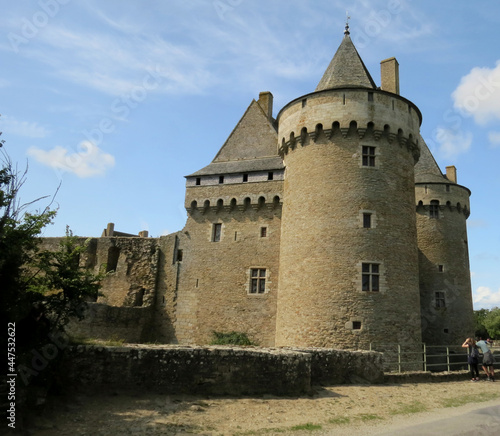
[{"x": 119, "y": 100}]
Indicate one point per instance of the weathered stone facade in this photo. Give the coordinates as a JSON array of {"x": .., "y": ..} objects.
[{"x": 329, "y": 226}]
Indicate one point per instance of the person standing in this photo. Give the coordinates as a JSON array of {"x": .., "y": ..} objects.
[
  {"x": 472, "y": 358},
  {"x": 488, "y": 358}
]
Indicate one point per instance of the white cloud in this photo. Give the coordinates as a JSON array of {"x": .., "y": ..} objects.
[
  {"x": 453, "y": 142},
  {"x": 494, "y": 138},
  {"x": 478, "y": 94},
  {"x": 87, "y": 161},
  {"x": 117, "y": 63},
  {"x": 22, "y": 128},
  {"x": 485, "y": 298}
]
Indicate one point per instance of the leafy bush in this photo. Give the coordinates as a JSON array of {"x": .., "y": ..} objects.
[{"x": 232, "y": 338}]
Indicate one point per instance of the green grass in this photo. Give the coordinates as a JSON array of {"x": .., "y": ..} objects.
[
  {"x": 301, "y": 427},
  {"x": 476, "y": 398},
  {"x": 80, "y": 340},
  {"x": 406, "y": 409},
  {"x": 309, "y": 427},
  {"x": 368, "y": 417},
  {"x": 340, "y": 420}
]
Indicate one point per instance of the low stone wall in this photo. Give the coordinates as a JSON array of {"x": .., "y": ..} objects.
[
  {"x": 215, "y": 370},
  {"x": 330, "y": 366}
]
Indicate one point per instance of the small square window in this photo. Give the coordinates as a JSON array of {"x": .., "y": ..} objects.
[
  {"x": 441, "y": 268},
  {"x": 263, "y": 232},
  {"x": 270, "y": 175},
  {"x": 304, "y": 102},
  {"x": 221, "y": 179},
  {"x": 356, "y": 325},
  {"x": 245, "y": 177},
  {"x": 198, "y": 180},
  {"x": 216, "y": 232},
  {"x": 370, "y": 96},
  {"x": 368, "y": 156},
  {"x": 179, "y": 255}
]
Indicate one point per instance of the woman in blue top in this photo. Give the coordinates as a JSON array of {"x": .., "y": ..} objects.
[{"x": 488, "y": 358}]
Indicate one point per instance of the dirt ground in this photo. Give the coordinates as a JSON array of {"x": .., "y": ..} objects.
[{"x": 360, "y": 409}]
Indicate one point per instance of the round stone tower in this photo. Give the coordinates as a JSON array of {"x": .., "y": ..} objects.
[
  {"x": 445, "y": 287},
  {"x": 348, "y": 256}
]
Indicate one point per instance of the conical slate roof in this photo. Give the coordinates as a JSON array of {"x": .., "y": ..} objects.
[
  {"x": 346, "y": 69},
  {"x": 426, "y": 169}
]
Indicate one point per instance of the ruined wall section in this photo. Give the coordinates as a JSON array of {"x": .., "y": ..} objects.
[
  {"x": 215, "y": 283},
  {"x": 132, "y": 267},
  {"x": 165, "y": 304},
  {"x": 125, "y": 308}
]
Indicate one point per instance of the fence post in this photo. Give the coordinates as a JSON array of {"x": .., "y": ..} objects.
[
  {"x": 399, "y": 358},
  {"x": 448, "y": 358},
  {"x": 425, "y": 357}
]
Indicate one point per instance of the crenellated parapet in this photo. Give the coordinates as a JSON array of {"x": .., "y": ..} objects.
[
  {"x": 442, "y": 197},
  {"x": 349, "y": 112},
  {"x": 270, "y": 202},
  {"x": 427, "y": 208},
  {"x": 368, "y": 130}
]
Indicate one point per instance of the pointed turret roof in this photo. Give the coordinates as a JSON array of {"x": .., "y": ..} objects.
[
  {"x": 346, "y": 68},
  {"x": 426, "y": 169}
]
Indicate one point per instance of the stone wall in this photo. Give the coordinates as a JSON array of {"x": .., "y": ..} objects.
[
  {"x": 214, "y": 276},
  {"x": 216, "y": 370}
]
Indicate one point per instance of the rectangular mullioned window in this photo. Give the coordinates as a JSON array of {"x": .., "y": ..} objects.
[
  {"x": 434, "y": 209},
  {"x": 440, "y": 299},
  {"x": 257, "y": 281},
  {"x": 370, "y": 277},
  {"x": 368, "y": 156}
]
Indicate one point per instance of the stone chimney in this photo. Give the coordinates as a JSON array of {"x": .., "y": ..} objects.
[
  {"x": 451, "y": 173},
  {"x": 266, "y": 103},
  {"x": 109, "y": 230},
  {"x": 389, "y": 74}
]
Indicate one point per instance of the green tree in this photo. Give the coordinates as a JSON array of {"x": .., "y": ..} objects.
[
  {"x": 492, "y": 323},
  {"x": 61, "y": 283},
  {"x": 479, "y": 327},
  {"x": 36, "y": 282},
  {"x": 19, "y": 240}
]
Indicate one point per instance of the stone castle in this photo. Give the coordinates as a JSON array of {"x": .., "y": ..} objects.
[{"x": 330, "y": 225}]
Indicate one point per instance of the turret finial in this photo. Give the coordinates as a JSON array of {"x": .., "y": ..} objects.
[{"x": 346, "y": 31}]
